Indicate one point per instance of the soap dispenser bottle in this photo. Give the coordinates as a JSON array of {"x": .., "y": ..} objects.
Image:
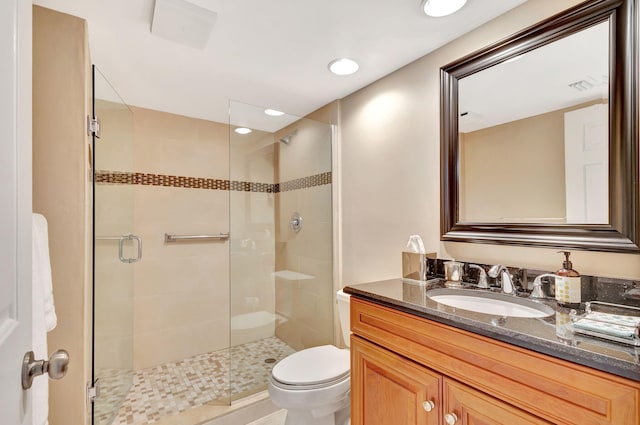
[{"x": 568, "y": 286}]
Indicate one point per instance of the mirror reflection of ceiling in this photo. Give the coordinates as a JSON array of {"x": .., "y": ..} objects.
[
  {"x": 271, "y": 53},
  {"x": 568, "y": 72}
]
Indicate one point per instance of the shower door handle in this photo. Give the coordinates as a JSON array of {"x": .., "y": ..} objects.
[{"x": 129, "y": 237}]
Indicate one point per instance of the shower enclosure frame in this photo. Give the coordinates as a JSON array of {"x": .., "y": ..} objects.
[{"x": 128, "y": 238}]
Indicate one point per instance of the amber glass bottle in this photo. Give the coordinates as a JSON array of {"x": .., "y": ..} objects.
[{"x": 568, "y": 284}]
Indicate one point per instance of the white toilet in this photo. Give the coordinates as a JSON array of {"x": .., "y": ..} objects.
[{"x": 314, "y": 384}]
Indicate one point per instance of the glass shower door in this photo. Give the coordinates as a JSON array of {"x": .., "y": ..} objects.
[
  {"x": 116, "y": 250},
  {"x": 281, "y": 264}
]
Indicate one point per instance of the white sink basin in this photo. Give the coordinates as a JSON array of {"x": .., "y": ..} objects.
[{"x": 496, "y": 304}]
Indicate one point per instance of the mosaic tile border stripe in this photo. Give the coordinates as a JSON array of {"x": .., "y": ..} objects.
[
  {"x": 304, "y": 182},
  {"x": 147, "y": 179}
]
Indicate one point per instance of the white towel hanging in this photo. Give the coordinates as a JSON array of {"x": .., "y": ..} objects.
[
  {"x": 44, "y": 316},
  {"x": 41, "y": 267}
]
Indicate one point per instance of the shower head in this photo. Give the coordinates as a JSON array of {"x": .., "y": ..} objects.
[{"x": 286, "y": 139}]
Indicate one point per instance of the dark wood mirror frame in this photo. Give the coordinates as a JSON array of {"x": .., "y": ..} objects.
[{"x": 622, "y": 232}]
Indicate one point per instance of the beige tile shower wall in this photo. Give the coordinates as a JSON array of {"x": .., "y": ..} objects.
[
  {"x": 253, "y": 238},
  {"x": 60, "y": 192},
  {"x": 305, "y": 306},
  {"x": 181, "y": 289},
  {"x": 179, "y": 145},
  {"x": 115, "y": 148},
  {"x": 309, "y": 152},
  {"x": 391, "y": 167}
]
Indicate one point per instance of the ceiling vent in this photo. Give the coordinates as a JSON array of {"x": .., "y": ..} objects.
[
  {"x": 589, "y": 82},
  {"x": 582, "y": 85},
  {"x": 182, "y": 22}
]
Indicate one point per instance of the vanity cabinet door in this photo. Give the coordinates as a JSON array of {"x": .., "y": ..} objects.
[
  {"x": 466, "y": 406},
  {"x": 390, "y": 389}
]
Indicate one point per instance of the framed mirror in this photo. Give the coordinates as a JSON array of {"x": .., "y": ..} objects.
[{"x": 539, "y": 135}]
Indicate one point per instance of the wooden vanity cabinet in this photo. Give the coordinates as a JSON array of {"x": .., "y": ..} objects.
[{"x": 407, "y": 370}]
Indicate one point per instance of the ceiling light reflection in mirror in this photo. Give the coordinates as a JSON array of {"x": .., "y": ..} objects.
[{"x": 439, "y": 8}]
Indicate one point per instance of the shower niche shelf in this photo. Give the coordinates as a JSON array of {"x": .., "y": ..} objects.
[{"x": 291, "y": 275}]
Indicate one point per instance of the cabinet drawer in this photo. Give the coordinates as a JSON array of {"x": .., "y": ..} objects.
[{"x": 556, "y": 390}]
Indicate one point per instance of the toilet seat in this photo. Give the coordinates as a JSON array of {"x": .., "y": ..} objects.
[{"x": 312, "y": 368}]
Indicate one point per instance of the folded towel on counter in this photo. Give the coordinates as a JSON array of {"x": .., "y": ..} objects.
[
  {"x": 611, "y": 329},
  {"x": 616, "y": 319}
]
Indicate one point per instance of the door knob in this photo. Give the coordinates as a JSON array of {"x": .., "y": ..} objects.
[{"x": 56, "y": 367}]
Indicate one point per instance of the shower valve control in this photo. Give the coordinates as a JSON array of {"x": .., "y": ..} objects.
[{"x": 296, "y": 222}]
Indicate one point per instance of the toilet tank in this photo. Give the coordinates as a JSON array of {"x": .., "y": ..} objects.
[{"x": 343, "y": 301}]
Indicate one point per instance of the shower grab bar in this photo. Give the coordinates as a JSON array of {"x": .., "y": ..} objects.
[
  {"x": 169, "y": 237},
  {"x": 121, "y": 240}
]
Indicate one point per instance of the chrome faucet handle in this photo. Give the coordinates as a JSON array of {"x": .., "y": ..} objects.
[
  {"x": 537, "y": 291},
  {"x": 506, "y": 281},
  {"x": 483, "y": 283}
]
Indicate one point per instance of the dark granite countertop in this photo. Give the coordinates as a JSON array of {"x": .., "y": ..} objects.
[{"x": 544, "y": 335}]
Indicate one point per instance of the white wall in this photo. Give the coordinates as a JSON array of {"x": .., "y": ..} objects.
[{"x": 391, "y": 168}]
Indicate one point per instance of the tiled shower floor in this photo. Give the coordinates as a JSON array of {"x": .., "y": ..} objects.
[{"x": 172, "y": 388}]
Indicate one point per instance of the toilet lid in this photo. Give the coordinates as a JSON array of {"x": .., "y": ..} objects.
[{"x": 315, "y": 365}]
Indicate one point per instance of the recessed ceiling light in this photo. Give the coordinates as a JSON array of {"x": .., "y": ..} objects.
[
  {"x": 437, "y": 8},
  {"x": 343, "y": 66},
  {"x": 273, "y": 113},
  {"x": 242, "y": 130}
]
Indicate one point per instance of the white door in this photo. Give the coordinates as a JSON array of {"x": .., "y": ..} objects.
[
  {"x": 587, "y": 165},
  {"x": 15, "y": 207}
]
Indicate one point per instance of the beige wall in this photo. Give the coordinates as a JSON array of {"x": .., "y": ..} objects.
[
  {"x": 390, "y": 167},
  {"x": 496, "y": 161},
  {"x": 60, "y": 192}
]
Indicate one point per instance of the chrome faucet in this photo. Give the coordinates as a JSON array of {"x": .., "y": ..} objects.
[
  {"x": 538, "y": 291},
  {"x": 482, "y": 276},
  {"x": 505, "y": 278}
]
